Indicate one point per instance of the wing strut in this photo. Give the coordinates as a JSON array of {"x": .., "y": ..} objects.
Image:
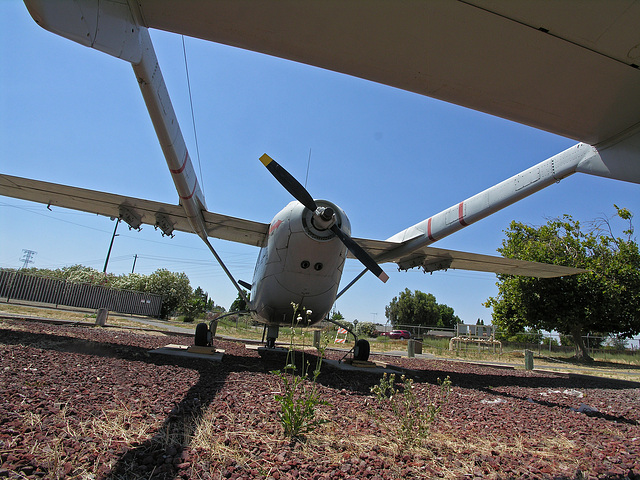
[
  {"x": 360, "y": 275},
  {"x": 165, "y": 122}
]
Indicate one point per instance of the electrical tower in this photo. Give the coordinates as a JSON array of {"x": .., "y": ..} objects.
[{"x": 27, "y": 256}]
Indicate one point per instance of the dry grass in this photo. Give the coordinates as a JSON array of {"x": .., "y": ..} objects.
[
  {"x": 440, "y": 452},
  {"x": 112, "y": 429},
  {"x": 43, "y": 312},
  {"x": 58, "y": 314},
  {"x": 121, "y": 425}
]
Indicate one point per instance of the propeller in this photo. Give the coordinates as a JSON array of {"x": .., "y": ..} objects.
[{"x": 323, "y": 215}]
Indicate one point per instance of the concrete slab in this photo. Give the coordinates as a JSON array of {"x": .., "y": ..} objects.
[
  {"x": 262, "y": 350},
  {"x": 206, "y": 353},
  {"x": 376, "y": 367}
]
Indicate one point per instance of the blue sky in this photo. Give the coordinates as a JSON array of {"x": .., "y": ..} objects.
[{"x": 389, "y": 158}]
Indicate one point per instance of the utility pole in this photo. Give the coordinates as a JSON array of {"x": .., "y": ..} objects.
[
  {"x": 135, "y": 258},
  {"x": 106, "y": 262},
  {"x": 27, "y": 256}
]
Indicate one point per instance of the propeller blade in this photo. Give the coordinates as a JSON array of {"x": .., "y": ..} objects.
[
  {"x": 300, "y": 193},
  {"x": 360, "y": 254},
  {"x": 289, "y": 182}
]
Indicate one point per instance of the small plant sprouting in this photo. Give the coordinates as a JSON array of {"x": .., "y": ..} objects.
[
  {"x": 386, "y": 389},
  {"x": 300, "y": 395},
  {"x": 413, "y": 418}
]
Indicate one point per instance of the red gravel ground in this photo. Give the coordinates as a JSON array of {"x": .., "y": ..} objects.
[{"x": 92, "y": 403}]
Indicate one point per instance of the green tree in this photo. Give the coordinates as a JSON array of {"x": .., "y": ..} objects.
[
  {"x": 606, "y": 299},
  {"x": 419, "y": 308},
  {"x": 132, "y": 281},
  {"x": 367, "y": 329},
  {"x": 192, "y": 308},
  {"x": 447, "y": 316},
  {"x": 174, "y": 288},
  {"x": 196, "y": 305},
  {"x": 82, "y": 274},
  {"x": 207, "y": 302},
  {"x": 527, "y": 335},
  {"x": 239, "y": 303},
  {"x": 201, "y": 294}
]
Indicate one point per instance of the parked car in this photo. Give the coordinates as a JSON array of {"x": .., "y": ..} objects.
[{"x": 399, "y": 334}]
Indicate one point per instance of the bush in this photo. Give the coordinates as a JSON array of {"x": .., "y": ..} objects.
[{"x": 367, "y": 329}]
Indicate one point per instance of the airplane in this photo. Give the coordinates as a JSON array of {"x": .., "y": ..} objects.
[{"x": 536, "y": 78}]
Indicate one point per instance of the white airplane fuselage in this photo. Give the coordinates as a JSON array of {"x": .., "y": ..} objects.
[{"x": 300, "y": 264}]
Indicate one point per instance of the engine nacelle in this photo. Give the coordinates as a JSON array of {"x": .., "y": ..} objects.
[{"x": 302, "y": 264}]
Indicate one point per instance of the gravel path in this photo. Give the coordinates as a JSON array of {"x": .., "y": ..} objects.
[{"x": 79, "y": 402}]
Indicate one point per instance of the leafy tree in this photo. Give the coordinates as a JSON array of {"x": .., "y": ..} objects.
[
  {"x": 197, "y": 305},
  {"x": 82, "y": 274},
  {"x": 527, "y": 335},
  {"x": 133, "y": 281},
  {"x": 239, "y": 304},
  {"x": 606, "y": 299},
  {"x": 419, "y": 308},
  {"x": 174, "y": 288},
  {"x": 207, "y": 302},
  {"x": 192, "y": 308},
  {"x": 199, "y": 293},
  {"x": 367, "y": 329},
  {"x": 447, "y": 316}
]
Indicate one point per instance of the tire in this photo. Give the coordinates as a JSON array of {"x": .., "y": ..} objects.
[
  {"x": 202, "y": 332},
  {"x": 361, "y": 350}
]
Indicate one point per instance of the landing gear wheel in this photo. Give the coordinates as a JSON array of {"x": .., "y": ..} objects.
[
  {"x": 202, "y": 332},
  {"x": 361, "y": 350}
]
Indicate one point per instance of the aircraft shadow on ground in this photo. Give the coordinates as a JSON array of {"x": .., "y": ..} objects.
[{"x": 188, "y": 412}]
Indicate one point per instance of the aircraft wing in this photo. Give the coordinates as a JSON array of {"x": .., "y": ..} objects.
[
  {"x": 431, "y": 259},
  {"x": 571, "y": 67},
  {"x": 134, "y": 211}
]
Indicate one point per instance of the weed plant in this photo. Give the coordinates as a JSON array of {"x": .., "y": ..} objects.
[
  {"x": 412, "y": 418},
  {"x": 300, "y": 397}
]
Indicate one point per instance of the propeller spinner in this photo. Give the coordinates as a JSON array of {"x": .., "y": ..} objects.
[{"x": 323, "y": 217}]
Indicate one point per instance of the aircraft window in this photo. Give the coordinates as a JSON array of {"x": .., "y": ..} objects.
[
  {"x": 305, "y": 264},
  {"x": 318, "y": 266}
]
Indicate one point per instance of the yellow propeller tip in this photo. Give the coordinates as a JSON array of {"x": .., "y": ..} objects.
[{"x": 266, "y": 159}]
